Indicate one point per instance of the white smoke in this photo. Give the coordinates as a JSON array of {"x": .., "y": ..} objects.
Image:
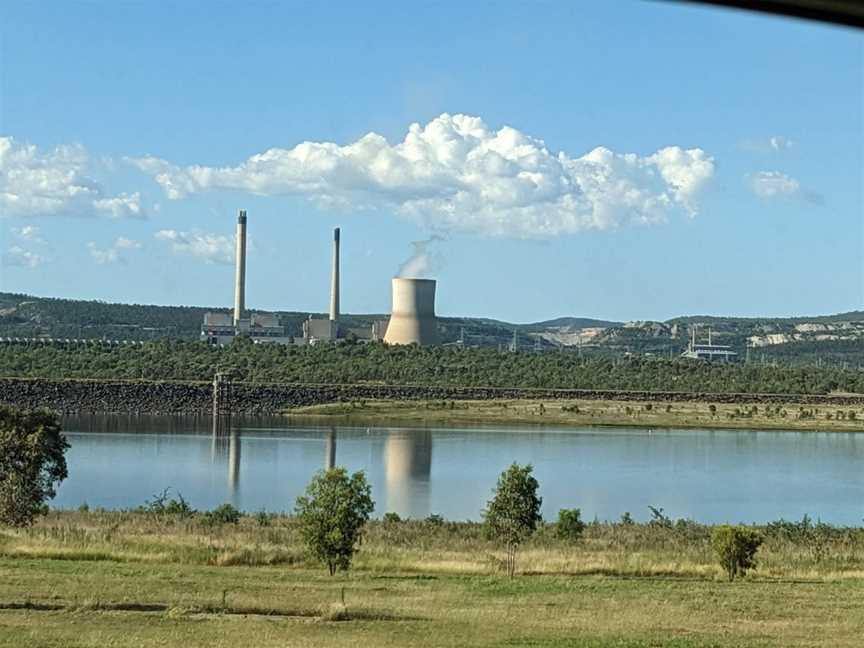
[{"x": 424, "y": 261}]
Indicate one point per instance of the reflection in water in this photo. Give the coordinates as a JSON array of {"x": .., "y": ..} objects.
[
  {"x": 225, "y": 446},
  {"x": 121, "y": 461},
  {"x": 408, "y": 464},
  {"x": 330, "y": 449}
]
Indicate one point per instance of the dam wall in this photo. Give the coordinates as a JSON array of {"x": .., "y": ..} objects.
[{"x": 144, "y": 397}]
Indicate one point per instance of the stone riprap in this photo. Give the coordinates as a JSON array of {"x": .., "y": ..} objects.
[{"x": 70, "y": 396}]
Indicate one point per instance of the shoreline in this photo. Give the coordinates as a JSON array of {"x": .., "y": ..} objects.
[{"x": 584, "y": 413}]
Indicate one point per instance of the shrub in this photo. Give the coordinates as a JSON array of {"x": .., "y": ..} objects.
[
  {"x": 263, "y": 518},
  {"x": 434, "y": 520},
  {"x": 736, "y": 548},
  {"x": 513, "y": 513},
  {"x": 32, "y": 462},
  {"x": 570, "y": 525},
  {"x": 391, "y": 518},
  {"x": 224, "y": 514},
  {"x": 627, "y": 519},
  {"x": 332, "y": 514}
]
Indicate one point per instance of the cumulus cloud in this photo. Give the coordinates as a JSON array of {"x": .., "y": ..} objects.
[
  {"x": 455, "y": 173},
  {"x": 213, "y": 248},
  {"x": 56, "y": 181},
  {"x": 113, "y": 254},
  {"x": 18, "y": 257}
]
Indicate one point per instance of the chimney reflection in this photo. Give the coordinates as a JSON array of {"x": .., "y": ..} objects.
[
  {"x": 330, "y": 449},
  {"x": 408, "y": 464},
  {"x": 226, "y": 447}
]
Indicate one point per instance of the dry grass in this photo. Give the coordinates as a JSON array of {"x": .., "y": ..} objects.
[
  {"x": 633, "y": 550},
  {"x": 593, "y": 412}
]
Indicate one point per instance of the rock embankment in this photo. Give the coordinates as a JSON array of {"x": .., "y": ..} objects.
[{"x": 70, "y": 396}]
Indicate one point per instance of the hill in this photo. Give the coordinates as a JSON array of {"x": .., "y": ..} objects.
[{"x": 834, "y": 339}]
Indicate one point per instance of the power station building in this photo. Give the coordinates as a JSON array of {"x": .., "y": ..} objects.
[
  {"x": 222, "y": 328},
  {"x": 412, "y": 317},
  {"x": 327, "y": 330}
]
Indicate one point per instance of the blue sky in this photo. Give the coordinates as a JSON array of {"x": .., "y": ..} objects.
[{"x": 729, "y": 180}]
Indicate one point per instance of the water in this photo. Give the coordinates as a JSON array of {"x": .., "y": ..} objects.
[{"x": 706, "y": 475}]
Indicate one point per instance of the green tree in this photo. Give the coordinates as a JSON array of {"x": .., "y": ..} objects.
[
  {"x": 736, "y": 548},
  {"x": 32, "y": 462},
  {"x": 513, "y": 513},
  {"x": 332, "y": 514},
  {"x": 570, "y": 525}
]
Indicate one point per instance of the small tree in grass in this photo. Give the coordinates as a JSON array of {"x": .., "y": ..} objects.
[
  {"x": 513, "y": 513},
  {"x": 32, "y": 462},
  {"x": 332, "y": 514},
  {"x": 570, "y": 524},
  {"x": 736, "y": 548}
]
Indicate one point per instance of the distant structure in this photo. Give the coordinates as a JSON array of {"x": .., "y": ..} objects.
[
  {"x": 327, "y": 330},
  {"x": 708, "y": 352},
  {"x": 222, "y": 328},
  {"x": 412, "y": 318}
]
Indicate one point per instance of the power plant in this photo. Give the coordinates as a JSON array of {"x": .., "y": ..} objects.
[{"x": 412, "y": 318}]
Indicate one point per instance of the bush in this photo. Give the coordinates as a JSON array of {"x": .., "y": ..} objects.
[
  {"x": 513, "y": 513},
  {"x": 160, "y": 504},
  {"x": 263, "y": 518},
  {"x": 332, "y": 514},
  {"x": 391, "y": 518},
  {"x": 627, "y": 519},
  {"x": 32, "y": 462},
  {"x": 570, "y": 525},
  {"x": 736, "y": 548},
  {"x": 434, "y": 520},
  {"x": 225, "y": 514}
]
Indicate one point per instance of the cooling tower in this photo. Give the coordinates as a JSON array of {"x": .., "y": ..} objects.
[
  {"x": 412, "y": 319},
  {"x": 334, "y": 280},
  {"x": 240, "y": 272}
]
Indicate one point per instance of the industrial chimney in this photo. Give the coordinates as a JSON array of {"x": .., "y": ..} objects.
[
  {"x": 240, "y": 274},
  {"x": 412, "y": 319},
  {"x": 334, "y": 281}
]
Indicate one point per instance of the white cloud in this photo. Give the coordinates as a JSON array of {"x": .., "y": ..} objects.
[
  {"x": 771, "y": 184},
  {"x": 121, "y": 206},
  {"x": 56, "y": 181},
  {"x": 456, "y": 173},
  {"x": 17, "y": 256},
  {"x": 112, "y": 254},
  {"x": 780, "y": 143},
  {"x": 28, "y": 233},
  {"x": 213, "y": 248}
]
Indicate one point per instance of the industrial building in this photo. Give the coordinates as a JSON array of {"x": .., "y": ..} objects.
[
  {"x": 327, "y": 330},
  {"x": 412, "y": 317},
  {"x": 222, "y": 328},
  {"x": 412, "y": 320},
  {"x": 708, "y": 352}
]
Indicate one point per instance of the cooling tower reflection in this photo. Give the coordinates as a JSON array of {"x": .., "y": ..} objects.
[{"x": 408, "y": 464}]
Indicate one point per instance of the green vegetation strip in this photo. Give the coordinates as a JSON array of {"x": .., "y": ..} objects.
[{"x": 433, "y": 366}]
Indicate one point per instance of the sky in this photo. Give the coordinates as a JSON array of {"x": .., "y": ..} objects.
[{"x": 622, "y": 160}]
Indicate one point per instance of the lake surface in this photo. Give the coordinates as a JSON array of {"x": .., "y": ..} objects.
[{"x": 706, "y": 475}]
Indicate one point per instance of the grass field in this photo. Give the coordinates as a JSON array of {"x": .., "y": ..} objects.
[
  {"x": 133, "y": 579},
  {"x": 595, "y": 412}
]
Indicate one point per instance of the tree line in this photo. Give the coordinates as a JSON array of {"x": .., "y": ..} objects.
[{"x": 354, "y": 363}]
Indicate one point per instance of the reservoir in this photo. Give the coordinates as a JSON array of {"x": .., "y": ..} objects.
[{"x": 707, "y": 475}]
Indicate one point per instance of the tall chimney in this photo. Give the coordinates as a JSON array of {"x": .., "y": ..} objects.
[
  {"x": 240, "y": 274},
  {"x": 334, "y": 280}
]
